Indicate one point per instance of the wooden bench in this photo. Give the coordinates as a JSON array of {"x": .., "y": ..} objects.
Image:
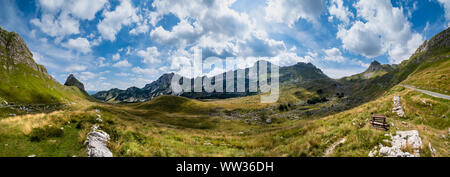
[{"x": 379, "y": 122}]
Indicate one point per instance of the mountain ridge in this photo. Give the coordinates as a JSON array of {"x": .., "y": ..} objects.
[{"x": 162, "y": 86}]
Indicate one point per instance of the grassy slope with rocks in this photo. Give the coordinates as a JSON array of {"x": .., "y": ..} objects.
[{"x": 25, "y": 83}]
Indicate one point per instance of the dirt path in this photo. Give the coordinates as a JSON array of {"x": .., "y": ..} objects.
[
  {"x": 330, "y": 149},
  {"x": 434, "y": 94}
]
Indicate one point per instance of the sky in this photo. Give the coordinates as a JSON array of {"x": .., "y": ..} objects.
[{"x": 123, "y": 43}]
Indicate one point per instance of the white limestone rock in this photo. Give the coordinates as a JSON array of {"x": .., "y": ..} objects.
[
  {"x": 397, "y": 107},
  {"x": 96, "y": 143},
  {"x": 402, "y": 140}
]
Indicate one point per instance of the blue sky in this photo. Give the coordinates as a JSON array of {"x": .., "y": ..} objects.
[{"x": 123, "y": 43}]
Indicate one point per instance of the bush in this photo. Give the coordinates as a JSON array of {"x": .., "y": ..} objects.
[
  {"x": 283, "y": 107},
  {"x": 39, "y": 134},
  {"x": 316, "y": 100}
]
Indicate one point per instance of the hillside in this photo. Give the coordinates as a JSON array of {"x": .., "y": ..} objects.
[
  {"x": 433, "y": 62},
  {"x": 24, "y": 82}
]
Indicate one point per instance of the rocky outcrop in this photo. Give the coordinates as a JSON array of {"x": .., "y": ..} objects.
[
  {"x": 397, "y": 107},
  {"x": 377, "y": 66},
  {"x": 96, "y": 143},
  {"x": 441, "y": 40},
  {"x": 72, "y": 81},
  {"x": 401, "y": 141},
  {"x": 14, "y": 51}
]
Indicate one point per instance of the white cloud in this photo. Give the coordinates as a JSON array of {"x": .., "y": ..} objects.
[
  {"x": 290, "y": 11},
  {"x": 182, "y": 34},
  {"x": 338, "y": 10},
  {"x": 334, "y": 54},
  {"x": 116, "y": 57},
  {"x": 141, "y": 27},
  {"x": 86, "y": 9},
  {"x": 75, "y": 67},
  {"x": 211, "y": 23},
  {"x": 101, "y": 62},
  {"x": 146, "y": 71},
  {"x": 122, "y": 74},
  {"x": 123, "y": 15},
  {"x": 446, "y": 4},
  {"x": 57, "y": 27},
  {"x": 80, "y": 44},
  {"x": 85, "y": 76},
  {"x": 51, "y": 5},
  {"x": 61, "y": 18},
  {"x": 149, "y": 55},
  {"x": 385, "y": 29},
  {"x": 123, "y": 63}
]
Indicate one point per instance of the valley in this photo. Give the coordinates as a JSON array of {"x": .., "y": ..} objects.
[{"x": 315, "y": 115}]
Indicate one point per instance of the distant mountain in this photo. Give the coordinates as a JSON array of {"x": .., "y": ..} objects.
[
  {"x": 375, "y": 69},
  {"x": 298, "y": 73},
  {"x": 72, "y": 81},
  {"x": 427, "y": 67},
  {"x": 23, "y": 81}
]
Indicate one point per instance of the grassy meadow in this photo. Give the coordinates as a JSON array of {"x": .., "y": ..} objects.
[{"x": 185, "y": 127}]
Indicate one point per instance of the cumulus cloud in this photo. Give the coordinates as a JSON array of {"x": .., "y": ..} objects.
[
  {"x": 116, "y": 57},
  {"x": 61, "y": 18},
  {"x": 85, "y": 76},
  {"x": 86, "y": 9},
  {"x": 338, "y": 10},
  {"x": 123, "y": 15},
  {"x": 80, "y": 44},
  {"x": 383, "y": 29},
  {"x": 446, "y": 5},
  {"x": 57, "y": 27},
  {"x": 334, "y": 54},
  {"x": 209, "y": 23},
  {"x": 149, "y": 55},
  {"x": 123, "y": 63},
  {"x": 146, "y": 71},
  {"x": 290, "y": 11},
  {"x": 141, "y": 27},
  {"x": 75, "y": 67},
  {"x": 101, "y": 62},
  {"x": 182, "y": 34}
]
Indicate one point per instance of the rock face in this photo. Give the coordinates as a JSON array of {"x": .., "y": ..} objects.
[
  {"x": 376, "y": 66},
  {"x": 397, "y": 107},
  {"x": 96, "y": 142},
  {"x": 442, "y": 40},
  {"x": 14, "y": 51},
  {"x": 402, "y": 140},
  {"x": 72, "y": 81},
  {"x": 134, "y": 94}
]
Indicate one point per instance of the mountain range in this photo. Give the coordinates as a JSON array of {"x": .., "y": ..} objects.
[{"x": 298, "y": 73}]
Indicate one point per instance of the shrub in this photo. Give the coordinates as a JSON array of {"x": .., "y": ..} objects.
[
  {"x": 39, "y": 134},
  {"x": 316, "y": 100}
]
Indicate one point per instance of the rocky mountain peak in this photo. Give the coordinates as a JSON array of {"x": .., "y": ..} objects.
[
  {"x": 164, "y": 81},
  {"x": 375, "y": 66},
  {"x": 72, "y": 81},
  {"x": 14, "y": 50},
  {"x": 441, "y": 40}
]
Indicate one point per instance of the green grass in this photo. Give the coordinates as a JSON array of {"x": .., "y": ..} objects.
[{"x": 432, "y": 76}]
